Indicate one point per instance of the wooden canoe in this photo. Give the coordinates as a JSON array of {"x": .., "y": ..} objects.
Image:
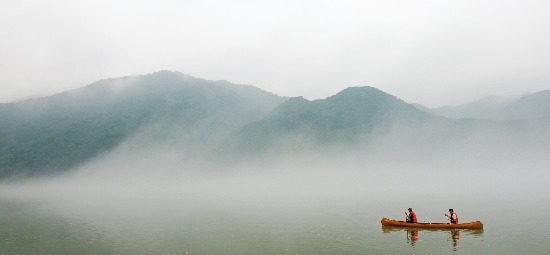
[{"x": 396, "y": 223}]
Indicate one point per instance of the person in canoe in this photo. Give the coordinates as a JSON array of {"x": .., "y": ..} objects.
[
  {"x": 411, "y": 216},
  {"x": 452, "y": 217}
]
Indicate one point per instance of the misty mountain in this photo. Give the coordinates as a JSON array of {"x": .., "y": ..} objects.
[
  {"x": 341, "y": 119},
  {"x": 423, "y": 108},
  {"x": 67, "y": 129},
  {"x": 530, "y": 106},
  {"x": 194, "y": 118}
]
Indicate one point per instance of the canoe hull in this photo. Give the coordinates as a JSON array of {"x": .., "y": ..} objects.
[{"x": 395, "y": 223}]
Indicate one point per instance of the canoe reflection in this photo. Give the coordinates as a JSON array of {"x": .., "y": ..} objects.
[
  {"x": 455, "y": 238},
  {"x": 412, "y": 234},
  {"x": 412, "y": 237}
]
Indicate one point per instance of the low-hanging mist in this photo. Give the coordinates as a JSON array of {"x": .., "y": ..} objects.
[
  {"x": 394, "y": 164},
  {"x": 174, "y": 141}
]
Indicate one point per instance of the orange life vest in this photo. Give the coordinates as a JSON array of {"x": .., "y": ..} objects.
[
  {"x": 456, "y": 218},
  {"x": 413, "y": 216}
]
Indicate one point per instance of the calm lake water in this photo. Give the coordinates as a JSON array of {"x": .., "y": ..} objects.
[{"x": 263, "y": 226}]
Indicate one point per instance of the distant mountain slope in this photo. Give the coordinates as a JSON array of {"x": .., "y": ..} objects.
[
  {"x": 531, "y": 106},
  {"x": 342, "y": 118},
  {"x": 64, "y": 130},
  {"x": 220, "y": 122}
]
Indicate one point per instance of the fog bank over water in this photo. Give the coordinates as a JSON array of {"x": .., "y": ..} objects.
[{"x": 392, "y": 170}]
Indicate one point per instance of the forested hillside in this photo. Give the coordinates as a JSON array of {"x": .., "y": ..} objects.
[
  {"x": 61, "y": 131},
  {"x": 223, "y": 122},
  {"x": 340, "y": 119}
]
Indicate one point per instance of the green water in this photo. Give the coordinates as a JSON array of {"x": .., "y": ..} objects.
[{"x": 233, "y": 225}]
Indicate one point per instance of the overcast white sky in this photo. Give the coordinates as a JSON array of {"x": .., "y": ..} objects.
[{"x": 429, "y": 52}]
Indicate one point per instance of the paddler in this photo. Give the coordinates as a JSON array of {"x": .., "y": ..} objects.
[
  {"x": 411, "y": 216},
  {"x": 452, "y": 217}
]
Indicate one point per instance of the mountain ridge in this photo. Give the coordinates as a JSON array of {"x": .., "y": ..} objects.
[
  {"x": 528, "y": 106},
  {"x": 217, "y": 119},
  {"x": 66, "y": 129},
  {"x": 341, "y": 118}
]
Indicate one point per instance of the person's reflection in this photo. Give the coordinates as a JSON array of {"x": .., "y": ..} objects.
[
  {"x": 455, "y": 238},
  {"x": 412, "y": 237}
]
